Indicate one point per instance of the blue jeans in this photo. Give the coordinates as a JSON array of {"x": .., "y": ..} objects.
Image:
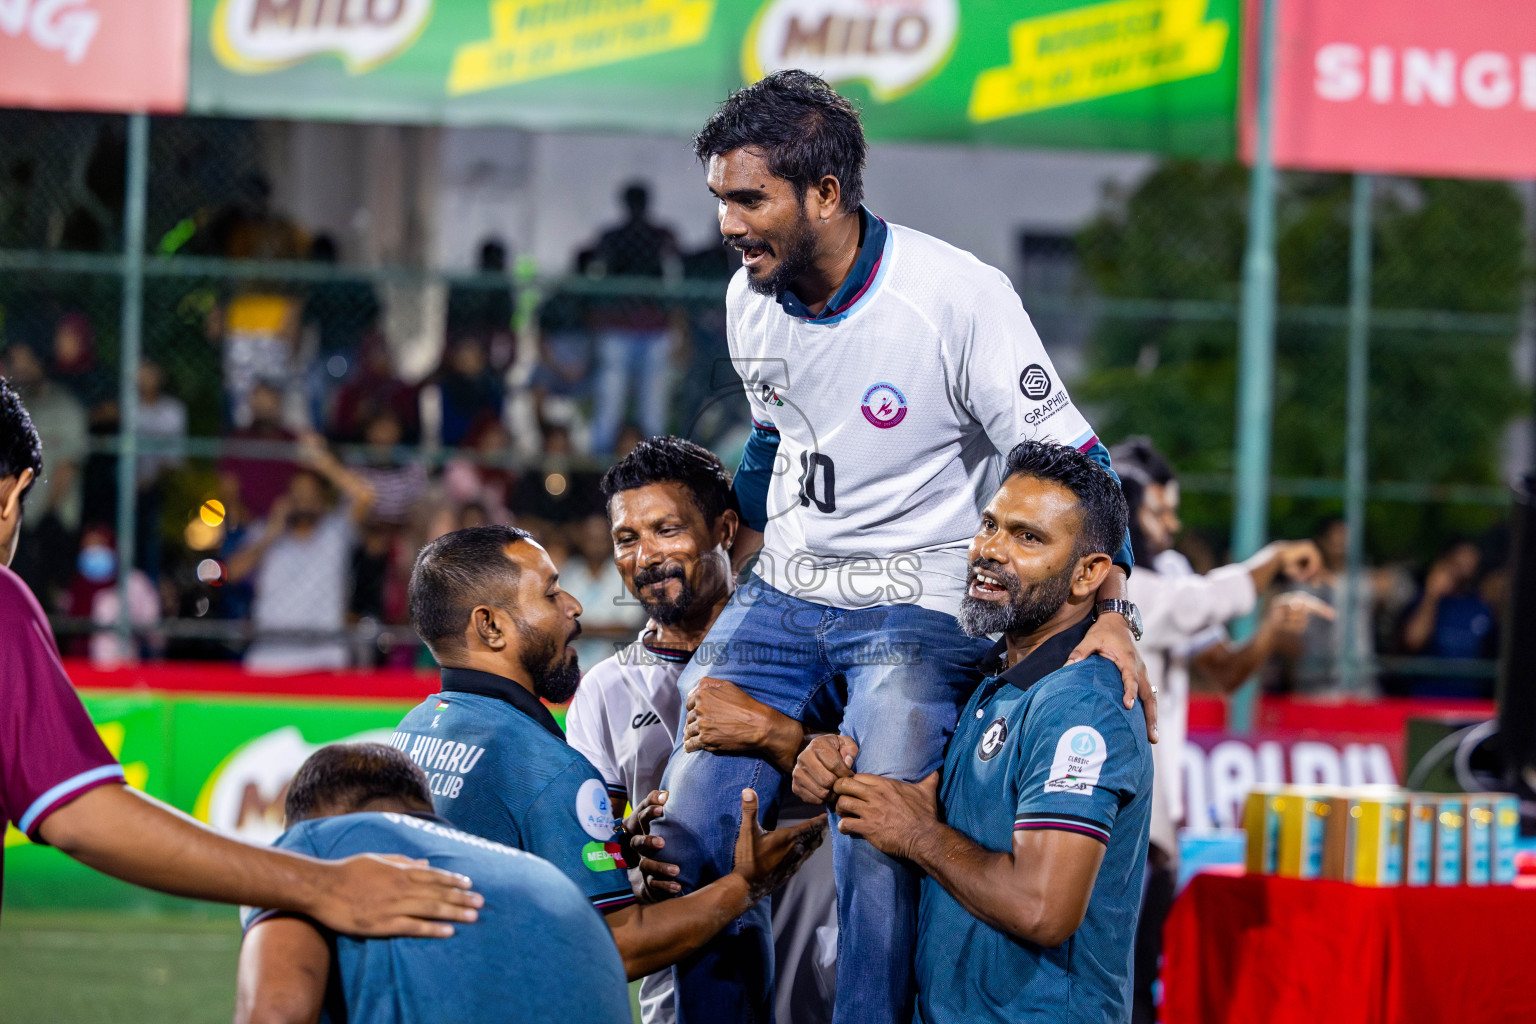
[
  {"x": 637, "y": 362},
  {"x": 907, "y": 672}
]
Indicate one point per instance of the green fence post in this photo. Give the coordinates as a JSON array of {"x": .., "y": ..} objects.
[
  {"x": 1256, "y": 354},
  {"x": 1350, "y": 669},
  {"x": 128, "y": 360}
]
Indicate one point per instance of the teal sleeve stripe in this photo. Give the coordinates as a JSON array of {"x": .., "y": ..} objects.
[
  {"x": 1123, "y": 558},
  {"x": 755, "y": 474}
]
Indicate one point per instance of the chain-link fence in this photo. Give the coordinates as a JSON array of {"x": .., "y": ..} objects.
[{"x": 306, "y": 422}]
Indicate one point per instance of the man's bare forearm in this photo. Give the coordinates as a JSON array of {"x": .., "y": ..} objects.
[
  {"x": 128, "y": 835},
  {"x": 782, "y": 743},
  {"x": 657, "y": 935},
  {"x": 1114, "y": 586},
  {"x": 981, "y": 880}
]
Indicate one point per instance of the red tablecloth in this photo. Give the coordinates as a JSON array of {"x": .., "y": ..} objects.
[{"x": 1272, "y": 950}]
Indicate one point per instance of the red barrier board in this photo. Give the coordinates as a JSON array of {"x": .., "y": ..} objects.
[
  {"x": 1266, "y": 950},
  {"x": 1426, "y": 87},
  {"x": 113, "y": 55}
]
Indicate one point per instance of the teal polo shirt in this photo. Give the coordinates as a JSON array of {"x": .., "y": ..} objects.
[
  {"x": 1043, "y": 745},
  {"x": 499, "y": 767}
]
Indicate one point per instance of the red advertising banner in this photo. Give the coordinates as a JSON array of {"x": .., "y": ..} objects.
[
  {"x": 112, "y": 55},
  {"x": 1442, "y": 88}
]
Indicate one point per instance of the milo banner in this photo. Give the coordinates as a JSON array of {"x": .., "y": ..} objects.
[{"x": 1137, "y": 74}]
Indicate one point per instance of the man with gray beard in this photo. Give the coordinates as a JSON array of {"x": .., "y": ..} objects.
[{"x": 1035, "y": 841}]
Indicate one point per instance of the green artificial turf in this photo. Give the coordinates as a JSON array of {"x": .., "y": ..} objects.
[{"x": 81, "y": 967}]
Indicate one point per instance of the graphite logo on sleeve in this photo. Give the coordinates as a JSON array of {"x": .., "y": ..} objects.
[{"x": 1034, "y": 382}]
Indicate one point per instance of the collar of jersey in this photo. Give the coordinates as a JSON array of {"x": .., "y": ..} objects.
[
  {"x": 1045, "y": 659},
  {"x": 671, "y": 654},
  {"x": 468, "y": 680},
  {"x": 865, "y": 276}
]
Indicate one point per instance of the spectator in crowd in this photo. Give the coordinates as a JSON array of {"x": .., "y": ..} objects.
[
  {"x": 471, "y": 393},
  {"x": 379, "y": 566},
  {"x": 1310, "y": 664},
  {"x": 301, "y": 566},
  {"x": 1184, "y": 617},
  {"x": 338, "y": 314},
  {"x": 481, "y": 478},
  {"x": 398, "y": 480},
  {"x": 558, "y": 492},
  {"x": 74, "y": 364},
  {"x": 484, "y": 312},
  {"x": 258, "y": 327},
  {"x": 233, "y": 598},
  {"x": 633, "y": 334},
  {"x": 1451, "y": 620},
  {"x": 371, "y": 387},
  {"x": 53, "y": 505},
  {"x": 93, "y": 595},
  {"x": 610, "y": 615},
  {"x": 563, "y": 374},
  {"x": 162, "y": 423},
  {"x": 258, "y": 456}
]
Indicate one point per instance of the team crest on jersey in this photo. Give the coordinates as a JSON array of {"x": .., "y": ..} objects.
[
  {"x": 992, "y": 740},
  {"x": 884, "y": 405}
]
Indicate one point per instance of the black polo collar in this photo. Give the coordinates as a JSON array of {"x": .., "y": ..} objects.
[
  {"x": 469, "y": 680},
  {"x": 1046, "y": 658}
]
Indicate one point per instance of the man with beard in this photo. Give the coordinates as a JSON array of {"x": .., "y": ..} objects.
[
  {"x": 487, "y": 603},
  {"x": 888, "y": 375},
  {"x": 1035, "y": 841},
  {"x": 673, "y": 519}
]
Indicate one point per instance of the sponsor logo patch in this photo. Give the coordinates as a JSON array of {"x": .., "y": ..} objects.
[
  {"x": 603, "y": 857},
  {"x": 993, "y": 740},
  {"x": 1034, "y": 382},
  {"x": 594, "y": 810},
  {"x": 884, "y": 405},
  {"x": 644, "y": 719},
  {"x": 1079, "y": 759}
]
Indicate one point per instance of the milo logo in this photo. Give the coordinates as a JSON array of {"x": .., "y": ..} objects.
[
  {"x": 894, "y": 46},
  {"x": 256, "y": 36}
]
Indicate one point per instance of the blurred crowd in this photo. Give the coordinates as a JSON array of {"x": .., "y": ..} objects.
[
  {"x": 288, "y": 540},
  {"x": 288, "y": 543}
]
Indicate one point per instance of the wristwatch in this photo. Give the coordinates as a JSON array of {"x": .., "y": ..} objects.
[{"x": 1123, "y": 607}]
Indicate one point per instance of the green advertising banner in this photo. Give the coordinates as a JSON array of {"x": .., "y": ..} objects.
[
  {"x": 1130, "y": 74},
  {"x": 226, "y": 761}
]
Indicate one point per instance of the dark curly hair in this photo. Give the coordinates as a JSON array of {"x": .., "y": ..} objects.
[
  {"x": 20, "y": 447},
  {"x": 658, "y": 460},
  {"x": 804, "y": 128},
  {"x": 1098, "y": 494}
]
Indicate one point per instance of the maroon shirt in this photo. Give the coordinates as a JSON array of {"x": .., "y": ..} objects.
[{"x": 49, "y": 750}]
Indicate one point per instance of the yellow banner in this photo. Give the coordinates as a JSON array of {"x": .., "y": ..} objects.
[
  {"x": 540, "y": 38},
  {"x": 1097, "y": 51}
]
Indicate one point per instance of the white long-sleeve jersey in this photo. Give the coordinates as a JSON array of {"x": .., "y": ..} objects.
[{"x": 894, "y": 417}]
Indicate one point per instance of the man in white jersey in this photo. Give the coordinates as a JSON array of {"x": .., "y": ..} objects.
[
  {"x": 673, "y": 519},
  {"x": 888, "y": 374}
]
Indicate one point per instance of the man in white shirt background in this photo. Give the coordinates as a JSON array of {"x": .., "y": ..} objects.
[
  {"x": 1184, "y": 617},
  {"x": 674, "y": 520}
]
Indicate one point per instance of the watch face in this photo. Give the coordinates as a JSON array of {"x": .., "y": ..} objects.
[{"x": 1133, "y": 616}]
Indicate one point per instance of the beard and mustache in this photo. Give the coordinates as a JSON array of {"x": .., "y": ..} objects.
[
  {"x": 799, "y": 252},
  {"x": 665, "y": 613},
  {"x": 1028, "y": 606},
  {"x": 555, "y": 674}
]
